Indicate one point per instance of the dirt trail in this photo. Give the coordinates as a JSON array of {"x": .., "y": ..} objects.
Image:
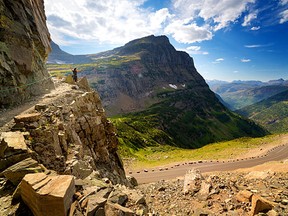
[{"x": 7, "y": 115}]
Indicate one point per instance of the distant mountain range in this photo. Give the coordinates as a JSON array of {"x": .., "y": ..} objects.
[
  {"x": 160, "y": 95},
  {"x": 238, "y": 94}
]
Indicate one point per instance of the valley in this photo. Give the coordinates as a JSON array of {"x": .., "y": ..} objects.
[{"x": 138, "y": 131}]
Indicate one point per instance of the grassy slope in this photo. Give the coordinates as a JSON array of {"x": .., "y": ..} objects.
[
  {"x": 165, "y": 155},
  {"x": 164, "y": 127},
  {"x": 272, "y": 113}
]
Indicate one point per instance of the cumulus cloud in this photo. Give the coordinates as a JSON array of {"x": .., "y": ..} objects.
[
  {"x": 119, "y": 21},
  {"x": 249, "y": 18},
  {"x": 245, "y": 60},
  {"x": 105, "y": 21},
  {"x": 219, "y": 12},
  {"x": 188, "y": 33}
]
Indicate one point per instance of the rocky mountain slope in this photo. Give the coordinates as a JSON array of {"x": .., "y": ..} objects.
[
  {"x": 24, "y": 48},
  {"x": 58, "y": 56},
  {"x": 168, "y": 100},
  {"x": 271, "y": 113},
  {"x": 238, "y": 94}
]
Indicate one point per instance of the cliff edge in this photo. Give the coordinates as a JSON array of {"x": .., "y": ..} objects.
[{"x": 24, "y": 48}]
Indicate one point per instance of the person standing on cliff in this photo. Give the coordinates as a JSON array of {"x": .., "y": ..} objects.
[{"x": 75, "y": 71}]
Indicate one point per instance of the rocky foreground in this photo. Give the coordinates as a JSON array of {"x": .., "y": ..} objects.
[{"x": 253, "y": 193}]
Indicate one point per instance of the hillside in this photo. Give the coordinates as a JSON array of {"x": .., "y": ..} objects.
[
  {"x": 58, "y": 56},
  {"x": 271, "y": 113},
  {"x": 238, "y": 94},
  {"x": 161, "y": 97}
]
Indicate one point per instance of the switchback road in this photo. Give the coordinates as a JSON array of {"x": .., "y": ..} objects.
[{"x": 153, "y": 175}]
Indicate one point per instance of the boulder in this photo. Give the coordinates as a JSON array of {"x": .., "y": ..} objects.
[
  {"x": 47, "y": 195},
  {"x": 192, "y": 181},
  {"x": 114, "y": 209},
  {"x": 16, "y": 172},
  {"x": 119, "y": 197},
  {"x": 12, "y": 149},
  {"x": 27, "y": 118},
  {"x": 95, "y": 202},
  {"x": 132, "y": 181},
  {"x": 204, "y": 191},
  {"x": 83, "y": 83},
  {"x": 260, "y": 204},
  {"x": 244, "y": 196},
  {"x": 257, "y": 175}
]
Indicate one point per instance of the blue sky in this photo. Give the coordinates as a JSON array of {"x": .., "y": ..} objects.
[{"x": 228, "y": 39}]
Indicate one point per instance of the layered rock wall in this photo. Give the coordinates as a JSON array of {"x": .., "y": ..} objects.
[
  {"x": 73, "y": 136},
  {"x": 24, "y": 48}
]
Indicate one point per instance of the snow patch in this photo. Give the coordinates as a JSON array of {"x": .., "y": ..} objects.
[{"x": 173, "y": 86}]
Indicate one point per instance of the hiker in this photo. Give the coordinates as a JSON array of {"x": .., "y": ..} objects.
[{"x": 75, "y": 74}]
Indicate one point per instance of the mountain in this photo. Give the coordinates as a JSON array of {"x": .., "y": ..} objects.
[
  {"x": 161, "y": 97},
  {"x": 238, "y": 94},
  {"x": 58, "y": 56},
  {"x": 271, "y": 113}
]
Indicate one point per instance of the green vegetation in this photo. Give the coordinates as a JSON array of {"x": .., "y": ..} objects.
[
  {"x": 152, "y": 156},
  {"x": 184, "y": 119},
  {"x": 271, "y": 113}
]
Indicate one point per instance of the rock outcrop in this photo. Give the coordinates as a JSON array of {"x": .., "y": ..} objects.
[
  {"x": 73, "y": 136},
  {"x": 52, "y": 144},
  {"x": 24, "y": 48}
]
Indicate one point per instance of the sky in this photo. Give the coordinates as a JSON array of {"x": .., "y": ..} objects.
[{"x": 228, "y": 39}]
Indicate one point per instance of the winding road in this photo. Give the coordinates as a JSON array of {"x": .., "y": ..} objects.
[{"x": 152, "y": 175}]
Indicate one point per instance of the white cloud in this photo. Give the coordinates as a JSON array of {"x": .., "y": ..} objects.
[
  {"x": 253, "y": 46},
  {"x": 284, "y": 2},
  {"x": 194, "y": 50},
  {"x": 219, "y": 12},
  {"x": 284, "y": 16},
  {"x": 249, "y": 18},
  {"x": 255, "y": 28},
  {"x": 104, "y": 21},
  {"x": 217, "y": 61},
  {"x": 119, "y": 21},
  {"x": 183, "y": 32},
  {"x": 245, "y": 60}
]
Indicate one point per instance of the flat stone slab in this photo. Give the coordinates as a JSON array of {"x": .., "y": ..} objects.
[
  {"x": 31, "y": 117},
  {"x": 16, "y": 172}
]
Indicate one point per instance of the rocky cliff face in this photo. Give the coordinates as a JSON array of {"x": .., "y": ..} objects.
[
  {"x": 129, "y": 78},
  {"x": 52, "y": 144},
  {"x": 70, "y": 136},
  {"x": 24, "y": 48}
]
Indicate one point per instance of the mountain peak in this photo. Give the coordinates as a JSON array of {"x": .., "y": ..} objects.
[{"x": 150, "y": 39}]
